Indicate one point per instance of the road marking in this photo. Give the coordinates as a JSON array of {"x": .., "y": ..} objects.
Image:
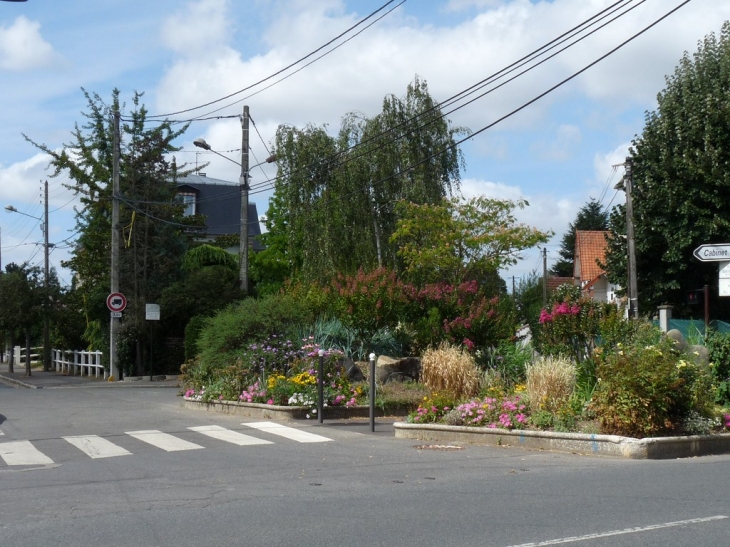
[
  {"x": 162, "y": 440},
  {"x": 96, "y": 447},
  {"x": 23, "y": 453},
  {"x": 287, "y": 432},
  {"x": 223, "y": 434},
  {"x": 622, "y": 532},
  {"x": 1, "y": 433}
]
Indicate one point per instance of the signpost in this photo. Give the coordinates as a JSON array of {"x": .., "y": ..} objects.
[
  {"x": 713, "y": 253},
  {"x": 116, "y": 302}
]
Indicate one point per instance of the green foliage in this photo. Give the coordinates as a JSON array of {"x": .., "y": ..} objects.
[
  {"x": 192, "y": 332},
  {"x": 201, "y": 256},
  {"x": 226, "y": 334},
  {"x": 718, "y": 345},
  {"x": 681, "y": 180},
  {"x": 646, "y": 388},
  {"x": 569, "y": 327},
  {"x": 508, "y": 360},
  {"x": 457, "y": 240},
  {"x": 329, "y": 215}
]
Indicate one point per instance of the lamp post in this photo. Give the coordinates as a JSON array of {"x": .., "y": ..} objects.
[
  {"x": 243, "y": 181},
  {"x": 46, "y": 310}
]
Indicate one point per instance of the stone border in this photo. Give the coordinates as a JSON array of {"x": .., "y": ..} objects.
[
  {"x": 279, "y": 412},
  {"x": 656, "y": 448}
]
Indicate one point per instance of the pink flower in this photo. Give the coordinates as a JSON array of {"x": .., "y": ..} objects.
[
  {"x": 545, "y": 317},
  {"x": 469, "y": 344},
  {"x": 270, "y": 402}
]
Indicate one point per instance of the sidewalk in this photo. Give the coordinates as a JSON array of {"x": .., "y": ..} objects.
[{"x": 39, "y": 379}]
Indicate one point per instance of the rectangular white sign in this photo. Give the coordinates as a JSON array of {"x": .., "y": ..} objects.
[
  {"x": 152, "y": 312},
  {"x": 724, "y": 287},
  {"x": 724, "y": 269}
]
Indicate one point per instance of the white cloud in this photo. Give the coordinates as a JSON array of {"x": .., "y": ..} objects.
[
  {"x": 200, "y": 29},
  {"x": 562, "y": 146},
  {"x": 23, "y": 48}
]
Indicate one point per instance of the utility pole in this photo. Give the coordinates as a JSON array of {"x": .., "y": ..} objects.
[
  {"x": 46, "y": 302},
  {"x": 243, "y": 181},
  {"x": 632, "y": 288},
  {"x": 114, "y": 322},
  {"x": 544, "y": 276}
]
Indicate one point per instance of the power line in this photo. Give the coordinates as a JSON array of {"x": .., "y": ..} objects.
[{"x": 281, "y": 70}]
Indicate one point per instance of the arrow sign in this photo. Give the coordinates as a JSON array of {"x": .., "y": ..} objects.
[
  {"x": 116, "y": 301},
  {"x": 713, "y": 253}
]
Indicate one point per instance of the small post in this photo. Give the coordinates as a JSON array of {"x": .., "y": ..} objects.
[
  {"x": 665, "y": 315},
  {"x": 320, "y": 387},
  {"x": 707, "y": 307},
  {"x": 372, "y": 392}
]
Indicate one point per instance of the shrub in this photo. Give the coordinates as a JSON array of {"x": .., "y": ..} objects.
[
  {"x": 646, "y": 388},
  {"x": 503, "y": 413},
  {"x": 508, "y": 361},
  {"x": 450, "y": 369},
  {"x": 226, "y": 335},
  {"x": 432, "y": 409},
  {"x": 718, "y": 344},
  {"x": 549, "y": 383}
]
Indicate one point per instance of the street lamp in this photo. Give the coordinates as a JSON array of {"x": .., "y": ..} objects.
[
  {"x": 243, "y": 181},
  {"x": 46, "y": 311}
]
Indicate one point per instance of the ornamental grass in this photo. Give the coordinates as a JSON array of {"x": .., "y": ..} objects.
[
  {"x": 550, "y": 383},
  {"x": 450, "y": 369}
]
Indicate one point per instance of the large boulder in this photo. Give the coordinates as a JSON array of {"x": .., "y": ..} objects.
[
  {"x": 700, "y": 356},
  {"x": 678, "y": 337},
  {"x": 390, "y": 369},
  {"x": 354, "y": 373}
]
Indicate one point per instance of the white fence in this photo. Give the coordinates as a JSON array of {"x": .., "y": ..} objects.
[
  {"x": 78, "y": 362},
  {"x": 65, "y": 361},
  {"x": 36, "y": 355}
]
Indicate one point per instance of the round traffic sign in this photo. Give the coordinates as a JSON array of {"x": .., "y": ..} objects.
[{"x": 116, "y": 301}]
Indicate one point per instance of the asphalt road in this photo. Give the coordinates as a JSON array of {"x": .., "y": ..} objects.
[{"x": 353, "y": 489}]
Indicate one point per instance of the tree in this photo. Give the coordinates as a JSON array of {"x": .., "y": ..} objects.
[
  {"x": 681, "y": 182},
  {"x": 152, "y": 222},
  {"x": 22, "y": 297},
  {"x": 592, "y": 216},
  {"x": 334, "y": 203},
  {"x": 459, "y": 240}
]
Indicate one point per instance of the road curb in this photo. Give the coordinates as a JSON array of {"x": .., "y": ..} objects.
[
  {"x": 16, "y": 383},
  {"x": 657, "y": 448}
]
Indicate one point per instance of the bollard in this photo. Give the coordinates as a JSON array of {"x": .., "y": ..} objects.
[
  {"x": 320, "y": 387},
  {"x": 372, "y": 392}
]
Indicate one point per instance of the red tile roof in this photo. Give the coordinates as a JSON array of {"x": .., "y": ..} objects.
[{"x": 590, "y": 247}]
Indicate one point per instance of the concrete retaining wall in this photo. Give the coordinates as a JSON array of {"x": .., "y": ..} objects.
[{"x": 600, "y": 445}]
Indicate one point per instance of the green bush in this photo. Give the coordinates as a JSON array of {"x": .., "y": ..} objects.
[
  {"x": 646, "y": 388},
  {"x": 226, "y": 335},
  {"x": 718, "y": 345}
]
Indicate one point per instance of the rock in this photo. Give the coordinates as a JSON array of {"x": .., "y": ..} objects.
[
  {"x": 678, "y": 337},
  {"x": 354, "y": 374},
  {"x": 700, "y": 355},
  {"x": 389, "y": 369}
]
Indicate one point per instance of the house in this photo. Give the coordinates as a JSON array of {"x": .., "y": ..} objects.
[
  {"x": 219, "y": 201},
  {"x": 590, "y": 250}
]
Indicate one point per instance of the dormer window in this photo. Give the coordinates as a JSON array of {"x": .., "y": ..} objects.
[{"x": 188, "y": 201}]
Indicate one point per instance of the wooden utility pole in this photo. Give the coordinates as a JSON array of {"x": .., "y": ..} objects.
[
  {"x": 47, "y": 296},
  {"x": 243, "y": 181},
  {"x": 544, "y": 276},
  {"x": 631, "y": 248},
  {"x": 114, "y": 322}
]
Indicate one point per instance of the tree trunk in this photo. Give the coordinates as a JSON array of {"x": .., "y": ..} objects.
[
  {"x": 11, "y": 362},
  {"x": 27, "y": 353}
]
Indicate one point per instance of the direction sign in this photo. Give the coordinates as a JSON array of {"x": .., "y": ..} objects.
[
  {"x": 116, "y": 301},
  {"x": 713, "y": 253}
]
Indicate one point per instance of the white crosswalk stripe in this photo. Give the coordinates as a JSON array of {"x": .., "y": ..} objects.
[
  {"x": 223, "y": 434},
  {"x": 165, "y": 441},
  {"x": 23, "y": 453},
  {"x": 97, "y": 447},
  {"x": 287, "y": 432}
]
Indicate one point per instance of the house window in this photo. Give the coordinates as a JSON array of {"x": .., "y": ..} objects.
[{"x": 188, "y": 201}]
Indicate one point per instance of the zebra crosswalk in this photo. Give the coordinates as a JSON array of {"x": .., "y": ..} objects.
[{"x": 15, "y": 453}]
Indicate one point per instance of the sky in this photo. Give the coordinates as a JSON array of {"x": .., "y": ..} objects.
[{"x": 555, "y": 149}]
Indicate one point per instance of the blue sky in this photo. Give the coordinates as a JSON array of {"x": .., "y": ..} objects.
[{"x": 556, "y": 153}]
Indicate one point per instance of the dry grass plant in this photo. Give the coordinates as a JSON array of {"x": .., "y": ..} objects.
[
  {"x": 550, "y": 383},
  {"x": 450, "y": 369}
]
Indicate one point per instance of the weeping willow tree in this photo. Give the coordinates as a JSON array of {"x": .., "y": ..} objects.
[{"x": 334, "y": 205}]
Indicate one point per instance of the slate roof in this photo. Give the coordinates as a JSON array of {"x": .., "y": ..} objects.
[
  {"x": 590, "y": 247},
  {"x": 220, "y": 202}
]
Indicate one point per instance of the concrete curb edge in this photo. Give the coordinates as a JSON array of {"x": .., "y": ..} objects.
[{"x": 599, "y": 445}]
